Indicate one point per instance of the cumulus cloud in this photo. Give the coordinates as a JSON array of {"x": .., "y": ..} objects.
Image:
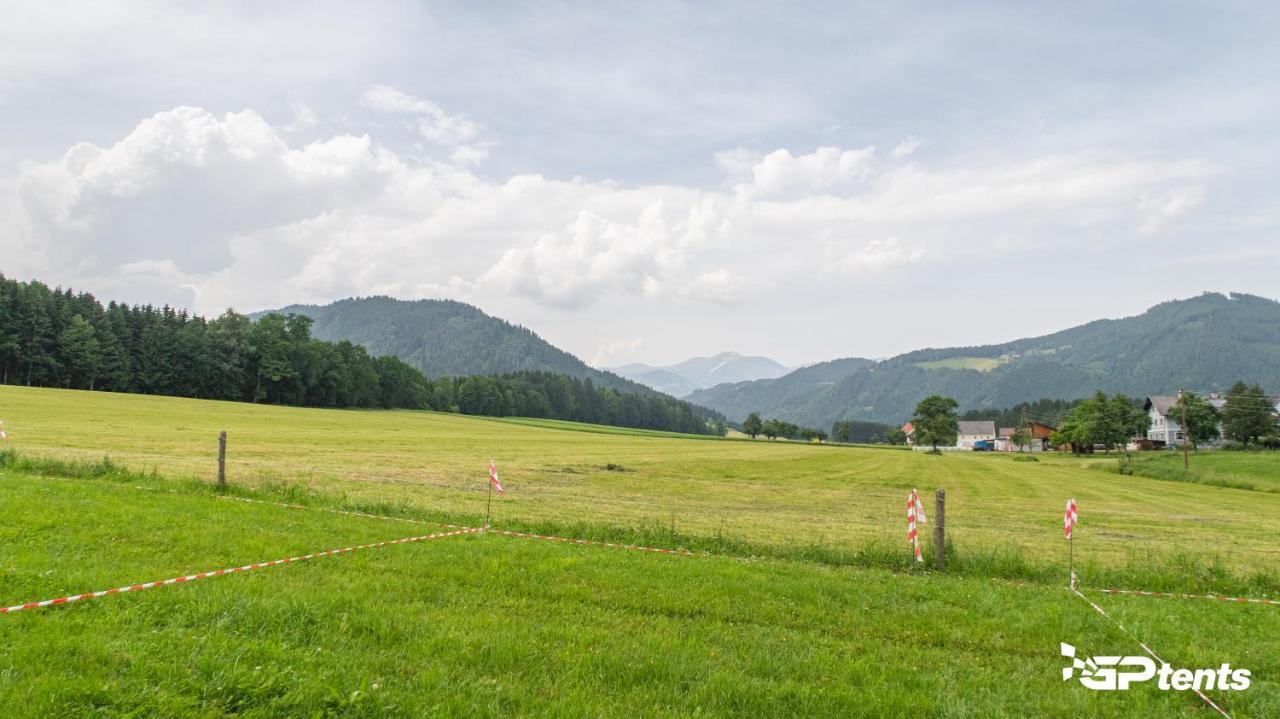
[
  {"x": 781, "y": 174},
  {"x": 230, "y": 211}
]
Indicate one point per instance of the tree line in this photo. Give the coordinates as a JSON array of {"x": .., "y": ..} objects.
[
  {"x": 753, "y": 427},
  {"x": 59, "y": 338},
  {"x": 1247, "y": 418},
  {"x": 862, "y": 432}
]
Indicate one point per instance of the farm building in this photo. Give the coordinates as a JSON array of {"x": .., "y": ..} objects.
[
  {"x": 1039, "y": 432},
  {"x": 972, "y": 432}
]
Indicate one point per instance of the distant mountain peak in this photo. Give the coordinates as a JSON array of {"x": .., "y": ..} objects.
[{"x": 696, "y": 373}]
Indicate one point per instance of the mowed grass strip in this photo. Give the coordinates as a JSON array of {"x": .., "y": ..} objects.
[
  {"x": 491, "y": 626},
  {"x": 773, "y": 493}
]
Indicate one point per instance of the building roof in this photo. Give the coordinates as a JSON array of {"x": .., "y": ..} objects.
[
  {"x": 982, "y": 426},
  {"x": 1006, "y": 432},
  {"x": 908, "y": 428},
  {"x": 1162, "y": 402}
]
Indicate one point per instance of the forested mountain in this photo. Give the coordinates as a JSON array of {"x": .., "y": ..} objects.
[
  {"x": 681, "y": 379},
  {"x": 739, "y": 399},
  {"x": 1204, "y": 343},
  {"x": 58, "y": 338},
  {"x": 445, "y": 338}
]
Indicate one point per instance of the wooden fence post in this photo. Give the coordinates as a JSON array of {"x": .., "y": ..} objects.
[
  {"x": 940, "y": 529},
  {"x": 222, "y": 459}
]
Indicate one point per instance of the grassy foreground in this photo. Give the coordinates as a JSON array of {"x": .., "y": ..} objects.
[
  {"x": 785, "y": 495},
  {"x": 496, "y": 626}
]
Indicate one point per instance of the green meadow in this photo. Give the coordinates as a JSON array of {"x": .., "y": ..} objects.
[
  {"x": 781, "y": 496},
  {"x": 801, "y": 600},
  {"x": 499, "y": 626}
]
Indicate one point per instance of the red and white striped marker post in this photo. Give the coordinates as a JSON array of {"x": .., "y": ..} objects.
[
  {"x": 493, "y": 484},
  {"x": 915, "y": 515},
  {"x": 1069, "y": 520}
]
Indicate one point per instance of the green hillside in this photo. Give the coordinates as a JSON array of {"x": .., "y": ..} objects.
[
  {"x": 738, "y": 399},
  {"x": 1204, "y": 343},
  {"x": 447, "y": 338}
]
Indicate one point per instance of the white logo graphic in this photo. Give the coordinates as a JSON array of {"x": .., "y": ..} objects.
[{"x": 1117, "y": 673}]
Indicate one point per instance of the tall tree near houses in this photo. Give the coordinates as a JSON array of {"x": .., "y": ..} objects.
[
  {"x": 1248, "y": 415},
  {"x": 1021, "y": 438},
  {"x": 1201, "y": 418},
  {"x": 935, "y": 421},
  {"x": 1127, "y": 420}
]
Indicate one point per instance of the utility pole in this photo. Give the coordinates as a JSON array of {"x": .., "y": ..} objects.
[
  {"x": 1186, "y": 434},
  {"x": 1026, "y": 428}
]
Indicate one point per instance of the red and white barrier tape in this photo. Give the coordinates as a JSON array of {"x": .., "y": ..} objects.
[
  {"x": 232, "y": 570},
  {"x": 569, "y": 540},
  {"x": 1142, "y": 644},
  {"x": 1173, "y": 595},
  {"x": 506, "y": 532}
]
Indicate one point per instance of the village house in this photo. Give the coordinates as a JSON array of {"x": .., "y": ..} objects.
[
  {"x": 972, "y": 432},
  {"x": 1163, "y": 411},
  {"x": 1039, "y": 438}
]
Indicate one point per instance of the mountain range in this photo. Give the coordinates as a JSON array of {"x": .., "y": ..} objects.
[
  {"x": 684, "y": 378},
  {"x": 447, "y": 338},
  {"x": 1203, "y": 344}
]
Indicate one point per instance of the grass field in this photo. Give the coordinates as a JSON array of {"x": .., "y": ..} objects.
[
  {"x": 772, "y": 494},
  {"x": 497, "y": 626},
  {"x": 1255, "y": 470},
  {"x": 802, "y": 599}
]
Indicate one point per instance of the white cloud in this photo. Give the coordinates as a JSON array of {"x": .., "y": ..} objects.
[
  {"x": 875, "y": 256},
  {"x": 432, "y": 122},
  {"x": 385, "y": 98},
  {"x": 718, "y": 286},
  {"x": 230, "y": 211},
  {"x": 781, "y": 175},
  {"x": 908, "y": 145}
]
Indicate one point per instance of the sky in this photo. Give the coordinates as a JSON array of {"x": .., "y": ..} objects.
[{"x": 650, "y": 181}]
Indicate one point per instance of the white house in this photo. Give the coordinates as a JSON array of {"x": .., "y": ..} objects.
[
  {"x": 976, "y": 431},
  {"x": 1163, "y": 411},
  {"x": 1163, "y": 428}
]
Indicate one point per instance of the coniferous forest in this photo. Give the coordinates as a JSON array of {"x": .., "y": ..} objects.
[{"x": 60, "y": 338}]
